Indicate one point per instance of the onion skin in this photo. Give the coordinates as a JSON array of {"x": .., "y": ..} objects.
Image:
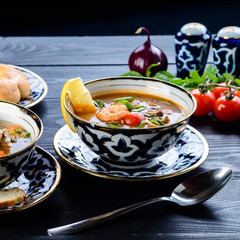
[{"x": 145, "y": 55}]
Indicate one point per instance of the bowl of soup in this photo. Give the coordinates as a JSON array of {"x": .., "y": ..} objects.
[
  {"x": 20, "y": 129},
  {"x": 136, "y": 119}
]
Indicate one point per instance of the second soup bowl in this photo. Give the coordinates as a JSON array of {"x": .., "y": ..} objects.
[{"x": 12, "y": 165}]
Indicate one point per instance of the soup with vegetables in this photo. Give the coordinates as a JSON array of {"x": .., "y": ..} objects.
[
  {"x": 13, "y": 137},
  {"x": 133, "y": 110}
]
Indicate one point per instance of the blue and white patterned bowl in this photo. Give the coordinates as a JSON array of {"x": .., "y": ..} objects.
[
  {"x": 12, "y": 165},
  {"x": 132, "y": 146}
]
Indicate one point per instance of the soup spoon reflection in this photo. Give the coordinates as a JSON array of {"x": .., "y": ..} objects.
[{"x": 192, "y": 191}]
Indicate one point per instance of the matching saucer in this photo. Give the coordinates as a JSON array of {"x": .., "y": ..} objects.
[
  {"x": 190, "y": 151},
  {"x": 39, "y": 180}
]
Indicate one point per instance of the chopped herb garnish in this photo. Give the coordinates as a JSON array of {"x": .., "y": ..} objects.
[
  {"x": 28, "y": 135},
  {"x": 141, "y": 124},
  {"x": 139, "y": 109},
  {"x": 99, "y": 103},
  {"x": 127, "y": 103},
  {"x": 129, "y": 99},
  {"x": 140, "y": 106},
  {"x": 114, "y": 125},
  {"x": 150, "y": 115},
  {"x": 157, "y": 121}
]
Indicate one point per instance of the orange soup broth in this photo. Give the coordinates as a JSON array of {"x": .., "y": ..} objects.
[
  {"x": 18, "y": 142},
  {"x": 173, "y": 110}
]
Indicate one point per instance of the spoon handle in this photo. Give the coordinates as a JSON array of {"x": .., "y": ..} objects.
[{"x": 90, "y": 222}]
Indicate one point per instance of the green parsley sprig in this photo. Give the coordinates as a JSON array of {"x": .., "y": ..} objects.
[{"x": 193, "y": 80}]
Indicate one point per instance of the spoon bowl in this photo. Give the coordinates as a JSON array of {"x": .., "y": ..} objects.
[
  {"x": 201, "y": 187},
  {"x": 192, "y": 191}
]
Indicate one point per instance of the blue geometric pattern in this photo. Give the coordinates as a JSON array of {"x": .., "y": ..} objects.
[
  {"x": 226, "y": 55},
  {"x": 189, "y": 152},
  {"x": 191, "y": 52},
  {"x": 38, "y": 180}
]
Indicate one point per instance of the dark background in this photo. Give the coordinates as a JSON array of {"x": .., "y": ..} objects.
[{"x": 160, "y": 17}]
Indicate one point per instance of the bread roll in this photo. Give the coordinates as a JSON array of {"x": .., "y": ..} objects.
[{"x": 13, "y": 84}]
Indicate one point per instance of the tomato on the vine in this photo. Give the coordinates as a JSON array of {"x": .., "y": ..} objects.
[
  {"x": 227, "y": 110},
  {"x": 222, "y": 91},
  {"x": 205, "y": 102}
]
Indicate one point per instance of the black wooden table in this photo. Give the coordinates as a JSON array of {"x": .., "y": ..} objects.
[{"x": 80, "y": 195}]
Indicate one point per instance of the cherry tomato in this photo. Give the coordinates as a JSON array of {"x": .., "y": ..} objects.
[
  {"x": 227, "y": 110},
  {"x": 133, "y": 118},
  {"x": 205, "y": 102},
  {"x": 221, "y": 91},
  {"x": 1, "y": 154}
]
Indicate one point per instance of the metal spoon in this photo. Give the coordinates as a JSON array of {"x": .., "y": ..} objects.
[{"x": 192, "y": 191}]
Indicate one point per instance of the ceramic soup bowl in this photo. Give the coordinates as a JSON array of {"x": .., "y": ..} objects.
[
  {"x": 14, "y": 164},
  {"x": 132, "y": 146}
]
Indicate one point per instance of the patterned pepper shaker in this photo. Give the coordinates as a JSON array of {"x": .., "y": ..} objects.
[
  {"x": 226, "y": 50},
  {"x": 192, "y": 45}
]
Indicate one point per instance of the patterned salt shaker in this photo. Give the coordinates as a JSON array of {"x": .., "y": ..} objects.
[
  {"x": 192, "y": 45},
  {"x": 226, "y": 50}
]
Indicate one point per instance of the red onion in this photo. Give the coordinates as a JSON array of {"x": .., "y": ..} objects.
[{"x": 146, "y": 55}]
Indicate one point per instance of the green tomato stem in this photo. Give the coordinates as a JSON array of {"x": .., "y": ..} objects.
[{"x": 207, "y": 85}]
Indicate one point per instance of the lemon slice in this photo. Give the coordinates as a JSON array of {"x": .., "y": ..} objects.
[
  {"x": 80, "y": 98},
  {"x": 65, "y": 114}
]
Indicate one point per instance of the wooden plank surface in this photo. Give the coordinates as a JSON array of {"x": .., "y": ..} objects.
[
  {"x": 79, "y": 50},
  {"x": 80, "y": 195}
]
